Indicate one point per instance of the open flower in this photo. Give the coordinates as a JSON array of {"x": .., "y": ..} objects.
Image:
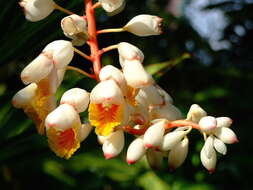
[{"x": 36, "y": 10}]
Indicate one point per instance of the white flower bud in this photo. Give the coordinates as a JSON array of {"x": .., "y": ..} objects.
[
  {"x": 154, "y": 158},
  {"x": 195, "y": 113},
  {"x": 24, "y": 96},
  {"x": 62, "y": 118},
  {"x": 38, "y": 69},
  {"x": 62, "y": 52},
  {"x": 36, "y": 10},
  {"x": 224, "y": 122},
  {"x": 129, "y": 52},
  {"x": 154, "y": 135},
  {"x": 135, "y": 150},
  {"x": 208, "y": 146},
  {"x": 84, "y": 131},
  {"x": 114, "y": 144},
  {"x": 144, "y": 25},
  {"x": 167, "y": 111},
  {"x": 102, "y": 139},
  {"x": 171, "y": 139},
  {"x": 226, "y": 135},
  {"x": 75, "y": 27},
  {"x": 220, "y": 146},
  {"x": 207, "y": 123},
  {"x": 112, "y": 7},
  {"x": 178, "y": 154},
  {"x": 135, "y": 74},
  {"x": 151, "y": 94},
  {"x": 208, "y": 163},
  {"x": 76, "y": 97}
]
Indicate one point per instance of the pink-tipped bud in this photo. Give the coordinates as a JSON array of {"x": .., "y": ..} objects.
[
  {"x": 154, "y": 135},
  {"x": 36, "y": 10},
  {"x": 226, "y": 135},
  {"x": 208, "y": 163},
  {"x": 84, "y": 131},
  {"x": 171, "y": 139},
  {"x": 195, "y": 113},
  {"x": 129, "y": 52},
  {"x": 135, "y": 150},
  {"x": 220, "y": 146},
  {"x": 114, "y": 144},
  {"x": 62, "y": 118},
  {"x": 135, "y": 74},
  {"x": 62, "y": 52},
  {"x": 144, "y": 25},
  {"x": 24, "y": 96},
  {"x": 207, "y": 123},
  {"x": 75, "y": 27},
  {"x": 178, "y": 154},
  {"x": 112, "y": 7},
  {"x": 224, "y": 121},
  {"x": 154, "y": 158},
  {"x": 38, "y": 69},
  {"x": 76, "y": 97}
]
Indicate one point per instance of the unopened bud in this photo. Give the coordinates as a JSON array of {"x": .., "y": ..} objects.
[
  {"x": 195, "y": 113},
  {"x": 144, "y": 25},
  {"x": 154, "y": 158},
  {"x": 167, "y": 111},
  {"x": 220, "y": 146},
  {"x": 208, "y": 163},
  {"x": 171, "y": 139},
  {"x": 84, "y": 131},
  {"x": 112, "y": 7},
  {"x": 226, "y": 135},
  {"x": 135, "y": 150},
  {"x": 207, "y": 123},
  {"x": 208, "y": 146},
  {"x": 224, "y": 122}
]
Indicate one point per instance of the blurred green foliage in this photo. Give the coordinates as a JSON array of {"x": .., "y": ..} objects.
[{"x": 222, "y": 87}]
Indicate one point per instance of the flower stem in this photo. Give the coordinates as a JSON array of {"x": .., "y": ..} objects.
[
  {"x": 110, "y": 30},
  {"x": 81, "y": 71},
  {"x": 82, "y": 54},
  {"x": 96, "y": 5},
  {"x": 109, "y": 48},
  {"x": 58, "y": 7},
  {"x": 181, "y": 123}
]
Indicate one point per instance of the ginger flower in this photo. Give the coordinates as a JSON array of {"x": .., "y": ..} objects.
[{"x": 112, "y": 7}]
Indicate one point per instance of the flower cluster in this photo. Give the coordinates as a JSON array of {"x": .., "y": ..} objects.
[{"x": 125, "y": 100}]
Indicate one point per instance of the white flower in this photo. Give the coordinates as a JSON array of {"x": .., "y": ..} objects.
[
  {"x": 36, "y": 10},
  {"x": 135, "y": 150},
  {"x": 75, "y": 27},
  {"x": 144, "y": 25},
  {"x": 208, "y": 157},
  {"x": 112, "y": 7},
  {"x": 195, "y": 113},
  {"x": 77, "y": 97},
  {"x": 114, "y": 144}
]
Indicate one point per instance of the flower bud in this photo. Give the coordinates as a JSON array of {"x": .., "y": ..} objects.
[
  {"x": 171, "y": 139},
  {"x": 38, "y": 69},
  {"x": 112, "y": 7},
  {"x": 76, "y": 97},
  {"x": 84, "y": 131},
  {"x": 135, "y": 150},
  {"x": 220, "y": 146},
  {"x": 167, "y": 111},
  {"x": 226, "y": 135},
  {"x": 154, "y": 135},
  {"x": 135, "y": 74},
  {"x": 195, "y": 113},
  {"x": 224, "y": 122},
  {"x": 208, "y": 146},
  {"x": 154, "y": 158},
  {"x": 24, "y": 96},
  {"x": 129, "y": 52},
  {"x": 208, "y": 163},
  {"x": 75, "y": 27},
  {"x": 207, "y": 123},
  {"x": 178, "y": 154},
  {"x": 151, "y": 94},
  {"x": 62, "y": 52},
  {"x": 36, "y": 10},
  {"x": 114, "y": 144},
  {"x": 62, "y": 118},
  {"x": 144, "y": 25}
]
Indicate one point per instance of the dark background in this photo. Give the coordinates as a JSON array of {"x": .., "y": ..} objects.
[{"x": 183, "y": 63}]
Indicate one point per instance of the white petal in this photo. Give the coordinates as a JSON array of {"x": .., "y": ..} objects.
[
  {"x": 135, "y": 74},
  {"x": 144, "y": 25},
  {"x": 171, "y": 139},
  {"x": 113, "y": 145},
  {"x": 220, "y": 146},
  {"x": 208, "y": 163},
  {"x": 62, "y": 118},
  {"x": 112, "y": 7},
  {"x": 154, "y": 135},
  {"x": 62, "y": 52},
  {"x": 167, "y": 98},
  {"x": 84, "y": 131},
  {"x": 38, "y": 69},
  {"x": 207, "y": 123},
  {"x": 77, "y": 97},
  {"x": 135, "y": 150},
  {"x": 224, "y": 122},
  {"x": 24, "y": 96},
  {"x": 154, "y": 158},
  {"x": 226, "y": 135},
  {"x": 195, "y": 113},
  {"x": 152, "y": 95},
  {"x": 167, "y": 111},
  {"x": 60, "y": 75},
  {"x": 178, "y": 154}
]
